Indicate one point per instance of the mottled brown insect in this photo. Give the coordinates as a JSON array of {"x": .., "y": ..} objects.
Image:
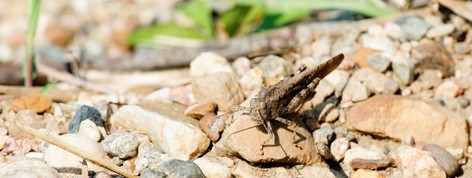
[{"x": 288, "y": 95}]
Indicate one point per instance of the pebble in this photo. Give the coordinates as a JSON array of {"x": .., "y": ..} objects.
[
  {"x": 362, "y": 173},
  {"x": 404, "y": 70},
  {"x": 433, "y": 55},
  {"x": 90, "y": 130},
  {"x": 6, "y": 53},
  {"x": 375, "y": 29},
  {"x": 373, "y": 164},
  {"x": 181, "y": 168},
  {"x": 2, "y": 143},
  {"x": 197, "y": 111},
  {"x": 356, "y": 90},
  {"x": 323, "y": 90},
  {"x": 339, "y": 147},
  {"x": 85, "y": 112},
  {"x": 274, "y": 68},
  {"x": 152, "y": 173},
  {"x": 148, "y": 157},
  {"x": 323, "y": 135},
  {"x": 27, "y": 118},
  {"x": 416, "y": 163},
  {"x": 225, "y": 90},
  {"x": 338, "y": 79},
  {"x": 413, "y": 26},
  {"x": 361, "y": 55},
  {"x": 165, "y": 124},
  {"x": 360, "y": 152},
  {"x": 462, "y": 48},
  {"x": 449, "y": 89},
  {"x": 379, "y": 62},
  {"x": 33, "y": 101},
  {"x": 319, "y": 171},
  {"x": 329, "y": 113},
  {"x": 121, "y": 144},
  {"x": 433, "y": 20},
  {"x": 241, "y": 66},
  {"x": 212, "y": 126},
  {"x": 439, "y": 31},
  {"x": 375, "y": 81},
  {"x": 321, "y": 47},
  {"x": 209, "y": 63},
  {"x": 379, "y": 42},
  {"x": 28, "y": 168},
  {"x": 444, "y": 159},
  {"x": 252, "y": 81},
  {"x": 57, "y": 157},
  {"x": 213, "y": 167},
  {"x": 393, "y": 30},
  {"x": 429, "y": 119}
]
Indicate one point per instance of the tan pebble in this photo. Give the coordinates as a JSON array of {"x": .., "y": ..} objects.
[
  {"x": 448, "y": 89},
  {"x": 197, "y": 111},
  {"x": 34, "y": 101},
  {"x": 362, "y": 173},
  {"x": 360, "y": 163},
  {"x": 2, "y": 143},
  {"x": 212, "y": 126}
]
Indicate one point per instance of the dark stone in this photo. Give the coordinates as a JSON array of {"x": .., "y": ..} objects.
[
  {"x": 152, "y": 173},
  {"x": 181, "y": 169},
  {"x": 85, "y": 112}
]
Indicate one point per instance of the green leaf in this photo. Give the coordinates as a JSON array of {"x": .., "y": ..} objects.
[
  {"x": 275, "y": 19},
  {"x": 241, "y": 19},
  {"x": 165, "y": 35},
  {"x": 365, "y": 7},
  {"x": 46, "y": 89},
  {"x": 200, "y": 12},
  {"x": 34, "y": 7}
]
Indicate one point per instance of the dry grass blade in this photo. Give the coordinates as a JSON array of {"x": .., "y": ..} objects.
[{"x": 76, "y": 151}]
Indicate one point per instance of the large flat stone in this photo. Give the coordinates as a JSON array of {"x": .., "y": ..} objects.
[{"x": 166, "y": 125}]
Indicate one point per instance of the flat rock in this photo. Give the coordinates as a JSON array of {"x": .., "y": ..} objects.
[
  {"x": 221, "y": 88},
  {"x": 375, "y": 81},
  {"x": 433, "y": 55},
  {"x": 440, "y": 30},
  {"x": 356, "y": 90},
  {"x": 28, "y": 168},
  {"x": 363, "y": 153},
  {"x": 166, "y": 125},
  {"x": 59, "y": 158},
  {"x": 244, "y": 137},
  {"x": 212, "y": 126},
  {"x": 416, "y": 163},
  {"x": 378, "y": 61},
  {"x": 362, "y": 173},
  {"x": 392, "y": 116},
  {"x": 197, "y": 111}
]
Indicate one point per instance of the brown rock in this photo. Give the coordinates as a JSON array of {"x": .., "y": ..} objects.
[
  {"x": 34, "y": 101},
  {"x": 291, "y": 143},
  {"x": 449, "y": 89},
  {"x": 360, "y": 163},
  {"x": 197, "y": 111},
  {"x": 433, "y": 55},
  {"x": 59, "y": 35},
  {"x": 361, "y": 55},
  {"x": 399, "y": 117},
  {"x": 212, "y": 126},
  {"x": 221, "y": 88}
]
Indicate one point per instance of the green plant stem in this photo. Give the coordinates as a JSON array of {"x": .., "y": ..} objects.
[{"x": 28, "y": 63}]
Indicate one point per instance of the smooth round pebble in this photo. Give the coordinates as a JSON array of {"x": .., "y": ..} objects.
[{"x": 444, "y": 159}]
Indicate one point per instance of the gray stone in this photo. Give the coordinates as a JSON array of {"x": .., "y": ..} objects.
[
  {"x": 444, "y": 159},
  {"x": 152, "y": 173},
  {"x": 221, "y": 88},
  {"x": 167, "y": 127},
  {"x": 82, "y": 113},
  {"x": 323, "y": 135},
  {"x": 404, "y": 70},
  {"x": 375, "y": 81},
  {"x": 413, "y": 26},
  {"x": 28, "y": 168},
  {"x": 274, "y": 68},
  {"x": 149, "y": 157},
  {"x": 181, "y": 169},
  {"x": 121, "y": 144},
  {"x": 439, "y": 31},
  {"x": 378, "y": 61},
  {"x": 356, "y": 90}
]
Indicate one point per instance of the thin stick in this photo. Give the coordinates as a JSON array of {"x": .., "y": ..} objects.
[{"x": 76, "y": 151}]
